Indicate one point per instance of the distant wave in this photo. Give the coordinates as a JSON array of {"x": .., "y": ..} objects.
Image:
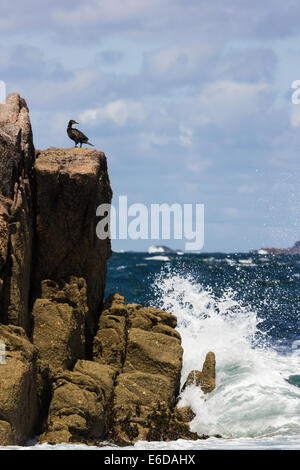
[{"x": 157, "y": 258}]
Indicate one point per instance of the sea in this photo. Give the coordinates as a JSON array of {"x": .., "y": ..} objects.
[{"x": 244, "y": 307}]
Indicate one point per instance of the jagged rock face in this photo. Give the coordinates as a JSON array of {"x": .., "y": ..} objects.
[
  {"x": 59, "y": 318},
  {"x": 71, "y": 184},
  {"x": 206, "y": 379},
  {"x": 79, "y": 410},
  {"x": 110, "y": 341},
  {"x": 18, "y": 396},
  {"x": 128, "y": 391},
  {"x": 16, "y": 213},
  {"x": 181, "y": 417},
  {"x": 145, "y": 349},
  {"x": 137, "y": 364},
  {"x": 179, "y": 427},
  {"x": 4, "y": 234},
  {"x": 138, "y": 355},
  {"x": 15, "y": 121}
]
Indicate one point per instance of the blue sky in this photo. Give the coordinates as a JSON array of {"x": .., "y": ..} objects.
[{"x": 190, "y": 101}]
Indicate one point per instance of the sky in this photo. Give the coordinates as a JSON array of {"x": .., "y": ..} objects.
[{"x": 190, "y": 100}]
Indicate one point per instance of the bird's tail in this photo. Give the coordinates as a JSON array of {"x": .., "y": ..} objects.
[{"x": 89, "y": 143}]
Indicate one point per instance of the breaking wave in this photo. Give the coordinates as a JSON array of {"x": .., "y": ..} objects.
[{"x": 253, "y": 397}]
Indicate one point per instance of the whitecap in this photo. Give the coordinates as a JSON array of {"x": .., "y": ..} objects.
[
  {"x": 252, "y": 396},
  {"x": 246, "y": 261}
]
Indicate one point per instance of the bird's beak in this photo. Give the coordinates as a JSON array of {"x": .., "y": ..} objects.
[{"x": 75, "y": 122}]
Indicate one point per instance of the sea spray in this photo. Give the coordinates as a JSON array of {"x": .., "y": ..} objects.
[{"x": 253, "y": 397}]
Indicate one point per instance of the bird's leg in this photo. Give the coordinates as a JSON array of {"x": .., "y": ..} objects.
[{"x": 80, "y": 144}]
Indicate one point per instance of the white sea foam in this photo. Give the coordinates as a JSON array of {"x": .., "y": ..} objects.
[
  {"x": 248, "y": 262},
  {"x": 157, "y": 258},
  {"x": 252, "y": 397},
  {"x": 230, "y": 261},
  {"x": 277, "y": 442}
]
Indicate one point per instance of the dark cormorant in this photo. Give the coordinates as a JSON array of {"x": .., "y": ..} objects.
[{"x": 76, "y": 135}]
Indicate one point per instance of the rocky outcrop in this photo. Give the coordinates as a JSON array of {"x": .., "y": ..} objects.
[
  {"x": 52, "y": 266},
  {"x": 110, "y": 341},
  {"x": 59, "y": 317},
  {"x": 18, "y": 395},
  {"x": 145, "y": 349},
  {"x": 179, "y": 427},
  {"x": 127, "y": 393},
  {"x": 206, "y": 379},
  {"x": 75, "y": 370},
  {"x": 79, "y": 410},
  {"x": 70, "y": 185},
  {"x": 15, "y": 121},
  {"x": 16, "y": 211}
]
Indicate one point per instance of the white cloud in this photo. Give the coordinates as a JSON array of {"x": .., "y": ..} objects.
[{"x": 118, "y": 112}]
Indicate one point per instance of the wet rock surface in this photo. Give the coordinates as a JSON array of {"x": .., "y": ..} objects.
[
  {"x": 205, "y": 379},
  {"x": 182, "y": 416}
]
